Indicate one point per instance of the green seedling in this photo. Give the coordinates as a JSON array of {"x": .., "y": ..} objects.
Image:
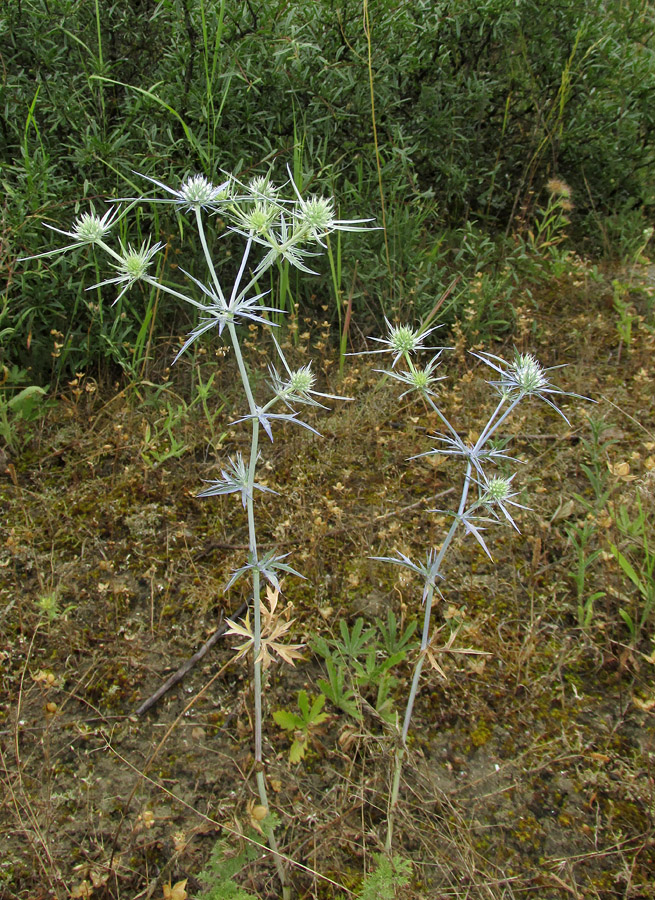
[
  {"x": 337, "y": 689},
  {"x": 580, "y": 536},
  {"x": 640, "y": 571},
  {"x": 301, "y": 726}
]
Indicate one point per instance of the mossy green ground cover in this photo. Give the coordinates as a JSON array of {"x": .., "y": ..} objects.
[{"x": 530, "y": 771}]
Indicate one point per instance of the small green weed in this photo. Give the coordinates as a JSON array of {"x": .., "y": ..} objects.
[
  {"x": 24, "y": 406},
  {"x": 389, "y": 876},
  {"x": 49, "y": 606},
  {"x": 626, "y": 314},
  {"x": 637, "y": 561},
  {"x": 301, "y": 726},
  {"x": 217, "y": 878},
  {"x": 360, "y": 663},
  {"x": 580, "y": 536}
]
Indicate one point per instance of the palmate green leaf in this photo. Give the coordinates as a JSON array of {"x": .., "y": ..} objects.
[
  {"x": 303, "y": 705},
  {"x": 300, "y": 726},
  {"x": 287, "y": 720},
  {"x": 336, "y": 691},
  {"x": 315, "y": 714},
  {"x": 354, "y": 642}
]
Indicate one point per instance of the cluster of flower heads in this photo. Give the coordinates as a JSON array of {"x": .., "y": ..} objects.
[
  {"x": 286, "y": 229},
  {"x": 256, "y": 210},
  {"x": 518, "y": 379}
]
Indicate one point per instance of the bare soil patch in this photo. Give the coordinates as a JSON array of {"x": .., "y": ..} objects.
[{"x": 531, "y": 770}]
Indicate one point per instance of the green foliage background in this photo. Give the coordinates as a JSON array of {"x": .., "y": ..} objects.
[{"x": 477, "y": 104}]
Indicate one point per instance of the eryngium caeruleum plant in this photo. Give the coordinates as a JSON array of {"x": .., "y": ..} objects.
[
  {"x": 273, "y": 230},
  {"x": 493, "y": 498}
]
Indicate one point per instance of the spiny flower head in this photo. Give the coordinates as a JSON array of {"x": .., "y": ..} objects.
[
  {"x": 527, "y": 374},
  {"x": 90, "y": 228},
  {"x": 262, "y": 189},
  {"x": 317, "y": 215},
  {"x": 403, "y": 339},
  {"x": 134, "y": 263},
  {"x": 195, "y": 193},
  {"x": 420, "y": 379},
  {"x": 498, "y": 489},
  {"x": 417, "y": 379},
  {"x": 302, "y": 380},
  {"x": 260, "y": 218},
  {"x": 524, "y": 377},
  {"x": 198, "y": 192},
  {"x": 497, "y": 494}
]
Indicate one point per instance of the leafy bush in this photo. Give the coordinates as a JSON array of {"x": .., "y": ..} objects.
[{"x": 476, "y": 105}]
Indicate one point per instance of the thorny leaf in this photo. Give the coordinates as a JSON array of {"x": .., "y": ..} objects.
[
  {"x": 431, "y": 651},
  {"x": 273, "y": 628}
]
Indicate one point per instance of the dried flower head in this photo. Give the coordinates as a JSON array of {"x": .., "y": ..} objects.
[{"x": 558, "y": 188}]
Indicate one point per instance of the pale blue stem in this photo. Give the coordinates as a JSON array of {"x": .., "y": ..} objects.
[
  {"x": 109, "y": 250},
  {"x": 168, "y": 290},
  {"x": 425, "y": 640},
  {"x": 208, "y": 258},
  {"x": 252, "y": 546},
  {"x": 488, "y": 431}
]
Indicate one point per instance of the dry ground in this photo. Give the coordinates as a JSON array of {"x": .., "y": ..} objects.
[{"x": 531, "y": 769}]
